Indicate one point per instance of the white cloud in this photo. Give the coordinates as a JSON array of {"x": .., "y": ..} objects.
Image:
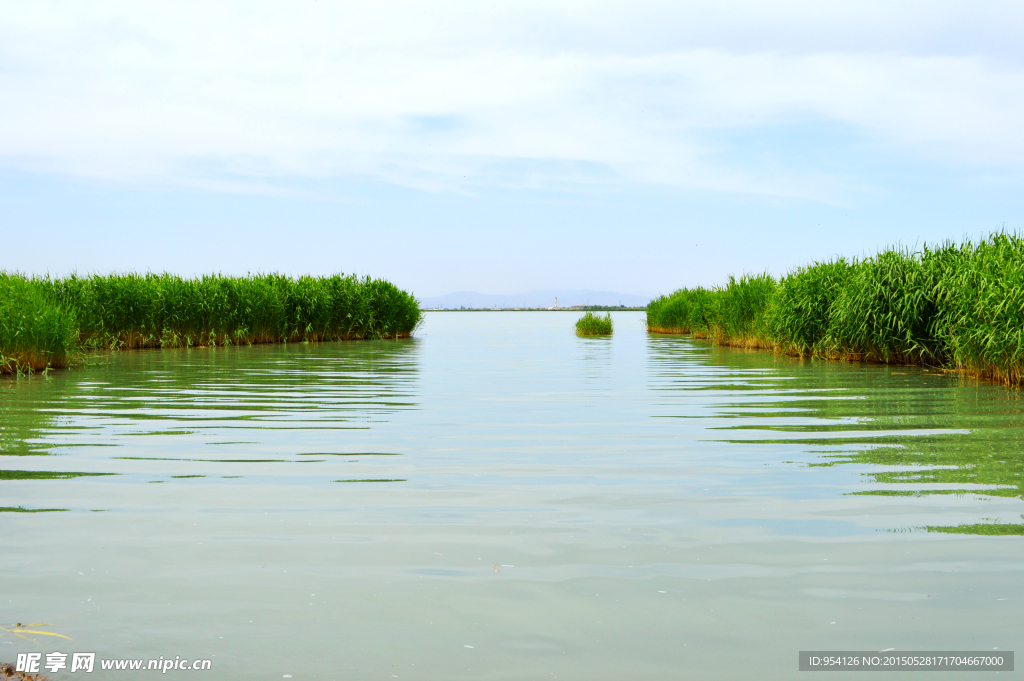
[{"x": 444, "y": 95}]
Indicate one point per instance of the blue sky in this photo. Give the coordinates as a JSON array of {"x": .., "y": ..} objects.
[{"x": 503, "y": 147}]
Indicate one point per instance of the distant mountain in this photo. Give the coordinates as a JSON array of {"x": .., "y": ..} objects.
[{"x": 543, "y": 298}]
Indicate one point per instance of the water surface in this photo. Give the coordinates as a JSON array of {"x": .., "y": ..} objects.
[{"x": 499, "y": 499}]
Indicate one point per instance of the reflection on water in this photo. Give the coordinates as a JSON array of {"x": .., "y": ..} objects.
[
  {"x": 921, "y": 431},
  {"x": 45, "y": 475},
  {"x": 499, "y": 498},
  {"x": 22, "y": 420},
  {"x": 178, "y": 405},
  {"x": 595, "y": 357}
]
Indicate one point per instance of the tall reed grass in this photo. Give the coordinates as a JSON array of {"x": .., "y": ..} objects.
[
  {"x": 729, "y": 315},
  {"x": 43, "y": 321},
  {"x": 981, "y": 298},
  {"x": 960, "y": 306},
  {"x": 35, "y": 331}
]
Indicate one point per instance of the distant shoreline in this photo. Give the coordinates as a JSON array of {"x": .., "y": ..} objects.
[{"x": 574, "y": 308}]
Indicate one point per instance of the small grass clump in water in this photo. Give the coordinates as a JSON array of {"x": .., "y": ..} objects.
[
  {"x": 957, "y": 306},
  {"x": 591, "y": 324}
]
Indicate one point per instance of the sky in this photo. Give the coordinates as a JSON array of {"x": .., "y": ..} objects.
[{"x": 503, "y": 147}]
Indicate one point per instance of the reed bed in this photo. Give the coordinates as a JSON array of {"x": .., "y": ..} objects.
[
  {"x": 591, "y": 324},
  {"x": 730, "y": 315},
  {"x": 43, "y": 321},
  {"x": 958, "y": 306},
  {"x": 35, "y": 331}
]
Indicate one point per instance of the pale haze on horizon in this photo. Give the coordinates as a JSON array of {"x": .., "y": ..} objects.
[{"x": 503, "y": 147}]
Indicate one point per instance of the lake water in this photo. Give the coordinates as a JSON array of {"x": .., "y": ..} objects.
[{"x": 499, "y": 499}]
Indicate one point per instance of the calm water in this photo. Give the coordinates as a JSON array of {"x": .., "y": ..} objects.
[{"x": 498, "y": 499}]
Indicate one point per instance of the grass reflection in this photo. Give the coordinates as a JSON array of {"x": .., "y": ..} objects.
[
  {"x": 285, "y": 400},
  {"x": 46, "y": 475},
  {"x": 990, "y": 529},
  {"x": 918, "y": 432},
  {"x": 375, "y": 480},
  {"x": 22, "y": 425}
]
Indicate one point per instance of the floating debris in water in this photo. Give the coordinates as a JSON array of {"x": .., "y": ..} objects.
[{"x": 7, "y": 671}]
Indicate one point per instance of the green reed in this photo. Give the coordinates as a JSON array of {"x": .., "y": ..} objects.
[
  {"x": 42, "y": 321},
  {"x": 731, "y": 315},
  {"x": 591, "y": 324},
  {"x": 35, "y": 331},
  {"x": 685, "y": 311},
  {"x": 957, "y": 306},
  {"x": 737, "y": 316},
  {"x": 165, "y": 310},
  {"x": 885, "y": 310},
  {"x": 798, "y": 317},
  {"x": 981, "y": 298}
]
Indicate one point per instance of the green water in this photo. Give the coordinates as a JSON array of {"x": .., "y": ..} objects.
[{"x": 498, "y": 498}]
